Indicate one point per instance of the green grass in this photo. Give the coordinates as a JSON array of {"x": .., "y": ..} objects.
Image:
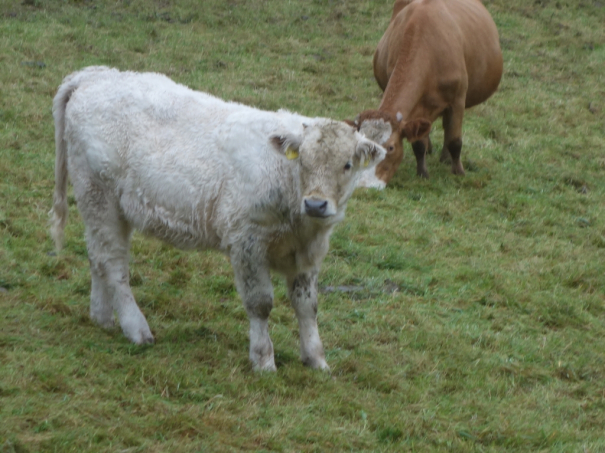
[{"x": 469, "y": 313}]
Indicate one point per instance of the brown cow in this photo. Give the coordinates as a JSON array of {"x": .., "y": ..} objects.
[{"x": 436, "y": 58}]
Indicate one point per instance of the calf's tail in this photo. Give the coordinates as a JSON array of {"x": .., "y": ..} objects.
[{"x": 59, "y": 210}]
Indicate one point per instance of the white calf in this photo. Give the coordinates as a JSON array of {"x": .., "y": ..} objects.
[{"x": 266, "y": 188}]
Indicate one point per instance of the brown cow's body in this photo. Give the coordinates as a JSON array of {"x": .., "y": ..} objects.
[{"x": 436, "y": 58}]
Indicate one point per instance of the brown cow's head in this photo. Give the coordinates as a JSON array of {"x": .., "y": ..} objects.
[
  {"x": 388, "y": 130},
  {"x": 331, "y": 155}
]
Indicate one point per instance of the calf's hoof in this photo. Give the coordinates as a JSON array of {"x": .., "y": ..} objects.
[
  {"x": 262, "y": 357},
  {"x": 317, "y": 363},
  {"x": 266, "y": 365},
  {"x": 136, "y": 329},
  {"x": 141, "y": 336},
  {"x": 106, "y": 322}
]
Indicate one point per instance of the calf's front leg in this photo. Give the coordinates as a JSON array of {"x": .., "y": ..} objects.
[
  {"x": 253, "y": 283},
  {"x": 302, "y": 291}
]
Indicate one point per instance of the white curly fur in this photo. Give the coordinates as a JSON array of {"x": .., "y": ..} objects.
[{"x": 144, "y": 152}]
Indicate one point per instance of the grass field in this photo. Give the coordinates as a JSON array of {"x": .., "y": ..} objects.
[{"x": 458, "y": 314}]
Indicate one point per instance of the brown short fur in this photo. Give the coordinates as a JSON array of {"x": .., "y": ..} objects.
[{"x": 436, "y": 58}]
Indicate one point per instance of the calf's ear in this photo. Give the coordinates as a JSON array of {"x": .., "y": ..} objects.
[
  {"x": 415, "y": 130},
  {"x": 286, "y": 145},
  {"x": 368, "y": 152}
]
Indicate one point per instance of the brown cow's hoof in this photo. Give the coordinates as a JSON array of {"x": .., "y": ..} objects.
[
  {"x": 458, "y": 170},
  {"x": 445, "y": 156}
]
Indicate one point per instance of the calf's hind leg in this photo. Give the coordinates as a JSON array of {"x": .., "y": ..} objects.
[
  {"x": 101, "y": 310},
  {"x": 108, "y": 241},
  {"x": 108, "y": 255}
]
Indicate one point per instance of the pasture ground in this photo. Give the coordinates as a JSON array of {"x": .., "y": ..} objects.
[{"x": 458, "y": 314}]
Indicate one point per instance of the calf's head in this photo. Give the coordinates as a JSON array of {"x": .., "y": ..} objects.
[
  {"x": 388, "y": 130},
  {"x": 330, "y": 156}
]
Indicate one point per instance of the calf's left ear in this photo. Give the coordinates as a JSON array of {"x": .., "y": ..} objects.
[
  {"x": 286, "y": 145},
  {"x": 368, "y": 152},
  {"x": 415, "y": 130}
]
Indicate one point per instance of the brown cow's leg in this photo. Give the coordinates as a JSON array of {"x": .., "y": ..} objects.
[
  {"x": 446, "y": 121},
  {"x": 452, "y": 131},
  {"x": 455, "y": 148},
  {"x": 419, "y": 148}
]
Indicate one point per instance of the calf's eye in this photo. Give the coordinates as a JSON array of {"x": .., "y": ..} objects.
[
  {"x": 348, "y": 166},
  {"x": 391, "y": 148}
]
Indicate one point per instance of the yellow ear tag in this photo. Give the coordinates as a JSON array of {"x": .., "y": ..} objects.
[
  {"x": 366, "y": 162},
  {"x": 291, "y": 154}
]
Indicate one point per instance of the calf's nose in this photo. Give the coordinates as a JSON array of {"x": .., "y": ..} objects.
[{"x": 316, "y": 208}]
